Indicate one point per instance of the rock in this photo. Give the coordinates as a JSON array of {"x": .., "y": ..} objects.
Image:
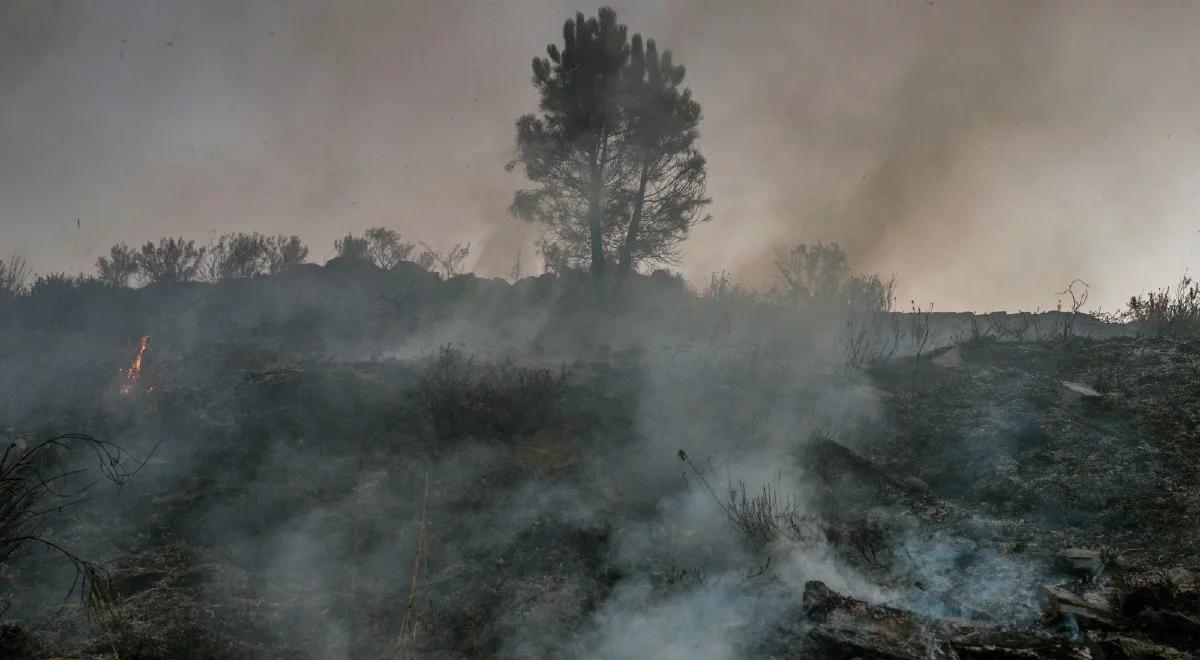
[{"x": 1073, "y": 390}]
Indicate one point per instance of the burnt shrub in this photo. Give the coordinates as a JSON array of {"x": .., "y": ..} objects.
[
  {"x": 1161, "y": 314},
  {"x": 468, "y": 398}
]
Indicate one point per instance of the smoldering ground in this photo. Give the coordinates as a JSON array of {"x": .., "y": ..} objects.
[{"x": 518, "y": 491}]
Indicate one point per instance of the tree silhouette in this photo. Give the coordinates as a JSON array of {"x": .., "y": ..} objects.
[
  {"x": 352, "y": 248},
  {"x": 811, "y": 272},
  {"x": 661, "y": 122},
  {"x": 118, "y": 267},
  {"x": 236, "y": 256},
  {"x": 613, "y": 151},
  {"x": 385, "y": 247},
  {"x": 171, "y": 260},
  {"x": 573, "y": 150},
  {"x": 284, "y": 252}
]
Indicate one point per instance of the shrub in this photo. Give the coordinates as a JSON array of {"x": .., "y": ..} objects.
[
  {"x": 722, "y": 288},
  {"x": 379, "y": 245},
  {"x": 468, "y": 398},
  {"x": 352, "y": 248},
  {"x": 810, "y": 273},
  {"x": 760, "y": 519},
  {"x": 118, "y": 267},
  {"x": 284, "y": 253},
  {"x": 385, "y": 248},
  {"x": 14, "y": 274},
  {"x": 236, "y": 257},
  {"x": 171, "y": 260},
  {"x": 1077, "y": 291},
  {"x": 870, "y": 331},
  {"x": 447, "y": 264},
  {"x": 60, "y": 283},
  {"x": 1165, "y": 314}
]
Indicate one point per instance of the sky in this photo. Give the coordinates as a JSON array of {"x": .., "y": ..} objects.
[{"x": 985, "y": 153}]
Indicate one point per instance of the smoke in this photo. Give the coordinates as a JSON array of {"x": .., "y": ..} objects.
[
  {"x": 984, "y": 153},
  {"x": 321, "y": 472},
  {"x": 978, "y": 151}
]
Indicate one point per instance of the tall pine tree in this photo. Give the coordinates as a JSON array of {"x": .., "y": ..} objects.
[
  {"x": 613, "y": 151},
  {"x": 573, "y": 149}
]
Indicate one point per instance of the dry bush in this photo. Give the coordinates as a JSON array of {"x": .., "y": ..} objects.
[
  {"x": 14, "y": 275},
  {"x": 764, "y": 518},
  {"x": 34, "y": 487},
  {"x": 810, "y": 273},
  {"x": 870, "y": 331},
  {"x": 722, "y": 288},
  {"x": 767, "y": 517},
  {"x": 448, "y": 263},
  {"x": 920, "y": 323},
  {"x": 468, "y": 398},
  {"x": 1164, "y": 313},
  {"x": 1012, "y": 327},
  {"x": 1077, "y": 292}
]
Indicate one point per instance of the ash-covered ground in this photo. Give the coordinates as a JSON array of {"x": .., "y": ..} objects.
[{"x": 342, "y": 462}]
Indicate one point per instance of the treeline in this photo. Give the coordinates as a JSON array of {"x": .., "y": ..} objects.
[
  {"x": 814, "y": 277},
  {"x": 233, "y": 256}
]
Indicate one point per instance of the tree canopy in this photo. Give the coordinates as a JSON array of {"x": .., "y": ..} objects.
[{"x": 612, "y": 151}]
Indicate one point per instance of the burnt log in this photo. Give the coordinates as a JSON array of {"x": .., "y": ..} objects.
[
  {"x": 1091, "y": 613},
  {"x": 844, "y": 628}
]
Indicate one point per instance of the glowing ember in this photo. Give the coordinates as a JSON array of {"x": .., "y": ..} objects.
[{"x": 135, "y": 369}]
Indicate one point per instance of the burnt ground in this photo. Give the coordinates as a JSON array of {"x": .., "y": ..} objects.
[
  {"x": 998, "y": 450},
  {"x": 451, "y": 507}
]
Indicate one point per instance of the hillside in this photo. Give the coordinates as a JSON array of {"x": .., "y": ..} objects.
[{"x": 347, "y": 462}]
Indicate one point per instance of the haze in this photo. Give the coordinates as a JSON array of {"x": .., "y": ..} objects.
[{"x": 984, "y": 153}]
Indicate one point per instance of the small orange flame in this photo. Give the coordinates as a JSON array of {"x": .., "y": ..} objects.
[{"x": 135, "y": 369}]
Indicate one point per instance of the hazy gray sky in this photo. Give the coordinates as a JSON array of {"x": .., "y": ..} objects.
[{"x": 984, "y": 152}]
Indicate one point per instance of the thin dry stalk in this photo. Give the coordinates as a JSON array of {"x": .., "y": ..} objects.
[{"x": 408, "y": 626}]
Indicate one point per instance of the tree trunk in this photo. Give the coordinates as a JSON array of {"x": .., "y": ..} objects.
[
  {"x": 599, "y": 157},
  {"x": 635, "y": 223}
]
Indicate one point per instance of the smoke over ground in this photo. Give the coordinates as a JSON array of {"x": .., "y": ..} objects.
[
  {"x": 986, "y": 153},
  {"x": 494, "y": 469}
]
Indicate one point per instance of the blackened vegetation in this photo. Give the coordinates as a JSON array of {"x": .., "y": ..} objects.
[
  {"x": 999, "y": 462},
  {"x": 466, "y": 398},
  {"x": 330, "y": 481}
]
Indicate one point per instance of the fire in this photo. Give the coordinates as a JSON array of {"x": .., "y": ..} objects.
[{"x": 135, "y": 369}]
